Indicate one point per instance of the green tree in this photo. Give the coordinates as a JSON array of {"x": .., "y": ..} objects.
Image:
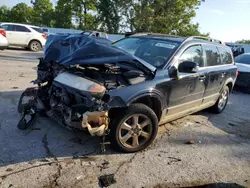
[
  {"x": 4, "y": 14},
  {"x": 162, "y": 16},
  {"x": 63, "y": 14},
  {"x": 83, "y": 11},
  {"x": 108, "y": 15},
  {"x": 43, "y": 13},
  {"x": 21, "y": 13},
  {"x": 243, "y": 41}
]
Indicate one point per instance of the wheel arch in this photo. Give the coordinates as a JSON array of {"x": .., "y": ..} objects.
[
  {"x": 230, "y": 84},
  {"x": 34, "y": 40},
  {"x": 152, "y": 102}
]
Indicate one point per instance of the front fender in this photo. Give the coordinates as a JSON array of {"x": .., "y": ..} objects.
[{"x": 151, "y": 93}]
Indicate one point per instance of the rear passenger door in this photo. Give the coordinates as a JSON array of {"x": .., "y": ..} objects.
[
  {"x": 216, "y": 73},
  {"x": 21, "y": 34}
]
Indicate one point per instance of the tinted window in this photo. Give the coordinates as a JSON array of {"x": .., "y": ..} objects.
[
  {"x": 37, "y": 29},
  {"x": 8, "y": 27},
  {"x": 226, "y": 55},
  {"x": 245, "y": 59},
  {"x": 212, "y": 54},
  {"x": 20, "y": 28},
  {"x": 45, "y": 30},
  {"x": 153, "y": 51},
  {"x": 194, "y": 54}
]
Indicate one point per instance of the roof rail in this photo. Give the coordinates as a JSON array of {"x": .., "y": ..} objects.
[
  {"x": 155, "y": 34},
  {"x": 205, "y": 38}
]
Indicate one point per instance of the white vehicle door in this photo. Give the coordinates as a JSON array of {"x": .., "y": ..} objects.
[
  {"x": 21, "y": 35},
  {"x": 9, "y": 29}
]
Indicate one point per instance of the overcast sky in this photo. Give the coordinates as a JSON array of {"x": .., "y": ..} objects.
[{"x": 227, "y": 20}]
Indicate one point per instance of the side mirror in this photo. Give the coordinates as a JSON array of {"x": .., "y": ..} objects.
[
  {"x": 188, "y": 67},
  {"x": 173, "y": 72}
]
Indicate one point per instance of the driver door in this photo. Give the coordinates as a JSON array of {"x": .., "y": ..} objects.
[{"x": 188, "y": 90}]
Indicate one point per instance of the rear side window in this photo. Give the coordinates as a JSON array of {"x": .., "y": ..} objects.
[
  {"x": 226, "y": 55},
  {"x": 20, "y": 28},
  {"x": 212, "y": 54},
  {"x": 8, "y": 27},
  {"x": 39, "y": 30},
  {"x": 194, "y": 54}
]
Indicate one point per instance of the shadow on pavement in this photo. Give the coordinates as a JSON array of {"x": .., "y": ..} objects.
[{"x": 212, "y": 185}]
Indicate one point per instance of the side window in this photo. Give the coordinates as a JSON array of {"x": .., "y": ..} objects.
[
  {"x": 194, "y": 54},
  {"x": 212, "y": 54},
  {"x": 8, "y": 27},
  {"x": 226, "y": 55},
  {"x": 20, "y": 28}
]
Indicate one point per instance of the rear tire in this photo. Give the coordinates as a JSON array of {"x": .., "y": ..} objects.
[
  {"x": 221, "y": 103},
  {"x": 133, "y": 129},
  {"x": 35, "y": 46}
]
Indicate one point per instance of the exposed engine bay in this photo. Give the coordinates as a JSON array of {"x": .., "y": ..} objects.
[{"x": 73, "y": 88}]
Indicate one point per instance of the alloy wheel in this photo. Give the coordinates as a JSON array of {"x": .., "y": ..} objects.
[
  {"x": 223, "y": 99},
  {"x": 135, "y": 131}
]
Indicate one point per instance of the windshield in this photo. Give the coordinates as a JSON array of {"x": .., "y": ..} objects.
[{"x": 153, "y": 51}]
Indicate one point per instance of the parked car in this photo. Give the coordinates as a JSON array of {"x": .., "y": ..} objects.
[
  {"x": 23, "y": 35},
  {"x": 243, "y": 64},
  {"x": 3, "y": 41},
  {"x": 237, "y": 49},
  {"x": 126, "y": 89}
]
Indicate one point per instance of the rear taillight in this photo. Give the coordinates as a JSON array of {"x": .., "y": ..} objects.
[
  {"x": 237, "y": 73},
  {"x": 44, "y": 35},
  {"x": 2, "y": 32}
]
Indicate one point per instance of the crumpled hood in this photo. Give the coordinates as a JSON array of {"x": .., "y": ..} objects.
[{"x": 79, "y": 50}]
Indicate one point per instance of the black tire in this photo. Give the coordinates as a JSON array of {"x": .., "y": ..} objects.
[
  {"x": 35, "y": 46},
  {"x": 142, "y": 111},
  {"x": 217, "y": 109}
]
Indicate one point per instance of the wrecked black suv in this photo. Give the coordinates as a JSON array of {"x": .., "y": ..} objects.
[{"x": 126, "y": 89}]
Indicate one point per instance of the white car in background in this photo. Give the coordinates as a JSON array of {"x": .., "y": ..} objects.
[
  {"x": 3, "y": 41},
  {"x": 28, "y": 36},
  {"x": 243, "y": 64}
]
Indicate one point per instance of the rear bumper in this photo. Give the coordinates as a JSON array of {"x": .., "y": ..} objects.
[{"x": 243, "y": 79}]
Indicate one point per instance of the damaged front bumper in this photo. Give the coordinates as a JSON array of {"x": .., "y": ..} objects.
[{"x": 31, "y": 103}]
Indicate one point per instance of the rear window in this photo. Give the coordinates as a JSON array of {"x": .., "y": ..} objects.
[
  {"x": 39, "y": 30},
  {"x": 226, "y": 55},
  {"x": 20, "y": 28},
  {"x": 213, "y": 55},
  {"x": 45, "y": 30},
  {"x": 244, "y": 59}
]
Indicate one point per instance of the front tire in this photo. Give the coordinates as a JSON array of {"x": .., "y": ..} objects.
[
  {"x": 35, "y": 46},
  {"x": 221, "y": 103},
  {"x": 134, "y": 128}
]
